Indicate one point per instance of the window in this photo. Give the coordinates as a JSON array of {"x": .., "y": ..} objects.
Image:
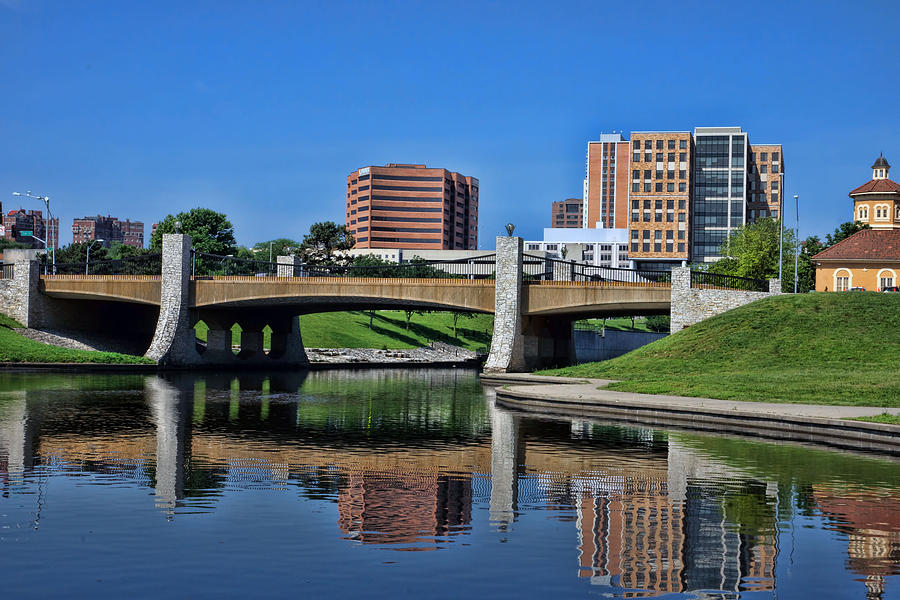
[
  {"x": 682, "y": 156},
  {"x": 774, "y": 168},
  {"x": 648, "y": 156},
  {"x": 763, "y": 168},
  {"x": 680, "y": 246},
  {"x": 682, "y": 144},
  {"x": 659, "y": 144},
  {"x": 659, "y": 174},
  {"x": 671, "y": 145},
  {"x": 648, "y": 145},
  {"x": 774, "y": 197},
  {"x": 657, "y": 246},
  {"x": 774, "y": 185},
  {"x": 681, "y": 217},
  {"x": 885, "y": 279},
  {"x": 635, "y": 174},
  {"x": 634, "y": 247},
  {"x": 680, "y": 235},
  {"x": 671, "y": 157},
  {"x": 659, "y": 157},
  {"x": 646, "y": 234},
  {"x": 647, "y": 187},
  {"x": 670, "y": 217},
  {"x": 682, "y": 174},
  {"x": 659, "y": 187},
  {"x": 646, "y": 205},
  {"x": 776, "y": 156},
  {"x": 764, "y": 156},
  {"x": 670, "y": 187},
  {"x": 670, "y": 174},
  {"x": 657, "y": 235},
  {"x": 647, "y": 215},
  {"x": 681, "y": 203},
  {"x": 842, "y": 280},
  {"x": 634, "y": 234},
  {"x": 635, "y": 186},
  {"x": 670, "y": 235},
  {"x": 637, "y": 144},
  {"x": 646, "y": 173}
]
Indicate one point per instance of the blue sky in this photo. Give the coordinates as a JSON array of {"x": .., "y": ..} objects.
[{"x": 261, "y": 109}]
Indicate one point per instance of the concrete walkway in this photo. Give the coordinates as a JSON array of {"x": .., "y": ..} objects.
[{"x": 575, "y": 397}]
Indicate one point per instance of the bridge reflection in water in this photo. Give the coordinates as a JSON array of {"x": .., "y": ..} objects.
[{"x": 653, "y": 513}]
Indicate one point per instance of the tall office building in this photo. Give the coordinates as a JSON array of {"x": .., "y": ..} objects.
[
  {"x": 408, "y": 206},
  {"x": 660, "y": 198},
  {"x": 567, "y": 213},
  {"x": 681, "y": 194},
  {"x": 606, "y": 183}
]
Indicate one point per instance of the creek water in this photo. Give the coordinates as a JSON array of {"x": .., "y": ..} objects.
[{"x": 410, "y": 482}]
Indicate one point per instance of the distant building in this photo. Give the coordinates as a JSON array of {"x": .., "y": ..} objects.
[
  {"x": 567, "y": 213},
  {"x": 25, "y": 226},
  {"x": 410, "y": 206},
  {"x": 598, "y": 247},
  {"x": 680, "y": 194},
  {"x": 868, "y": 259},
  {"x": 109, "y": 229},
  {"x": 605, "y": 191}
]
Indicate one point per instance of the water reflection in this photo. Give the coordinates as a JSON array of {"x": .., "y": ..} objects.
[{"x": 408, "y": 458}]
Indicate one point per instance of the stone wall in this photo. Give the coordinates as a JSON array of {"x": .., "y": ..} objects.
[
  {"x": 692, "y": 305},
  {"x": 507, "y": 344},
  {"x": 590, "y": 346}
]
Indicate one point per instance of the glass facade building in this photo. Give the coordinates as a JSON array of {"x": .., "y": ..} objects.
[{"x": 719, "y": 203}]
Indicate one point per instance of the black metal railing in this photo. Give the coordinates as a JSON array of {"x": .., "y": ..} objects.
[
  {"x": 8, "y": 272},
  {"x": 728, "y": 282},
  {"x": 481, "y": 267},
  {"x": 207, "y": 265},
  {"x": 561, "y": 270},
  {"x": 145, "y": 264}
]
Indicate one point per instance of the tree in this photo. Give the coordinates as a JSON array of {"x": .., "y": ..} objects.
[
  {"x": 77, "y": 253},
  {"x": 806, "y": 268},
  {"x": 323, "y": 240},
  {"x": 275, "y": 248},
  {"x": 843, "y": 231},
  {"x": 658, "y": 323},
  {"x": 211, "y": 231},
  {"x": 456, "y": 315},
  {"x": 119, "y": 250},
  {"x": 752, "y": 251},
  {"x": 12, "y": 244}
]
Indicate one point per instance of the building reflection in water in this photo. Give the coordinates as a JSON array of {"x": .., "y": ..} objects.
[{"x": 652, "y": 516}]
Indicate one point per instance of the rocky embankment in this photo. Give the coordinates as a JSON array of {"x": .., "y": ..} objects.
[{"x": 435, "y": 353}]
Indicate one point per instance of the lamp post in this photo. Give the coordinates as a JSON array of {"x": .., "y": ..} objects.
[
  {"x": 50, "y": 237},
  {"x": 797, "y": 249},
  {"x": 780, "y": 235},
  {"x": 88, "y": 259}
]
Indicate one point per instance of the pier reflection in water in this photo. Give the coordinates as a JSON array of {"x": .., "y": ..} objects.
[{"x": 420, "y": 460}]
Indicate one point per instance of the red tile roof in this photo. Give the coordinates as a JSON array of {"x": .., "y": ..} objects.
[
  {"x": 877, "y": 185},
  {"x": 868, "y": 244}
]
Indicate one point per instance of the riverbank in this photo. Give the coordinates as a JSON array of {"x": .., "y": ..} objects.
[
  {"x": 835, "y": 349},
  {"x": 591, "y": 398}
]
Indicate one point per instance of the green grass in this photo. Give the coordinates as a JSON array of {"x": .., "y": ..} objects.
[
  {"x": 886, "y": 418},
  {"x": 16, "y": 348},
  {"x": 836, "y": 349},
  {"x": 351, "y": 330},
  {"x": 618, "y": 324}
]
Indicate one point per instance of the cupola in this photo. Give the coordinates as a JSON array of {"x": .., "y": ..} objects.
[{"x": 880, "y": 168}]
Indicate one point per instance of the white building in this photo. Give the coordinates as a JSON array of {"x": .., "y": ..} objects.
[{"x": 598, "y": 247}]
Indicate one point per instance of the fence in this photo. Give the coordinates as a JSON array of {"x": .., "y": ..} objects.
[
  {"x": 481, "y": 267},
  {"x": 205, "y": 265},
  {"x": 145, "y": 264},
  {"x": 8, "y": 272},
  {"x": 702, "y": 279},
  {"x": 561, "y": 270}
]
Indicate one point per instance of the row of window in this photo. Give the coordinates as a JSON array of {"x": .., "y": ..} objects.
[
  {"x": 657, "y": 247},
  {"x": 882, "y": 212},
  {"x": 843, "y": 279},
  {"x": 650, "y": 187},
  {"x": 404, "y": 188},
  {"x": 670, "y": 144},
  {"x": 649, "y": 174},
  {"x": 657, "y": 216}
]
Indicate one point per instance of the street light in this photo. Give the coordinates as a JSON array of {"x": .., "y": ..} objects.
[
  {"x": 50, "y": 238},
  {"x": 797, "y": 250},
  {"x": 87, "y": 260}
]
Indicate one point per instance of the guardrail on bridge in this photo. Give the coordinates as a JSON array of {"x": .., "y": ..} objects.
[{"x": 702, "y": 279}]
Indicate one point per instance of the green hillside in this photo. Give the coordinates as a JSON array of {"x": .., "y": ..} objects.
[
  {"x": 351, "y": 330},
  {"x": 815, "y": 348},
  {"x": 17, "y": 348}
]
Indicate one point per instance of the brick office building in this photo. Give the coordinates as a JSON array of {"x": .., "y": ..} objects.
[
  {"x": 24, "y": 226},
  {"x": 407, "y": 206},
  {"x": 683, "y": 193},
  {"x": 567, "y": 213},
  {"x": 109, "y": 229}
]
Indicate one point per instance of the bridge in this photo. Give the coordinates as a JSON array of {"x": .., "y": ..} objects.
[{"x": 534, "y": 300}]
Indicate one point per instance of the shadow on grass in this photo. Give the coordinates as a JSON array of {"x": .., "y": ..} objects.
[{"x": 397, "y": 336}]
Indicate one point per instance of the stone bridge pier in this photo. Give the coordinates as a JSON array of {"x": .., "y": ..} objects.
[
  {"x": 523, "y": 342},
  {"x": 175, "y": 343}
]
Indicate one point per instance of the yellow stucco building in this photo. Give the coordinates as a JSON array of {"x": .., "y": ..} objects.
[{"x": 869, "y": 259}]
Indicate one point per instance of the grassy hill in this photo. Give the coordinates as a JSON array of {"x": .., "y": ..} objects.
[
  {"x": 816, "y": 348},
  {"x": 17, "y": 348},
  {"x": 351, "y": 330}
]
